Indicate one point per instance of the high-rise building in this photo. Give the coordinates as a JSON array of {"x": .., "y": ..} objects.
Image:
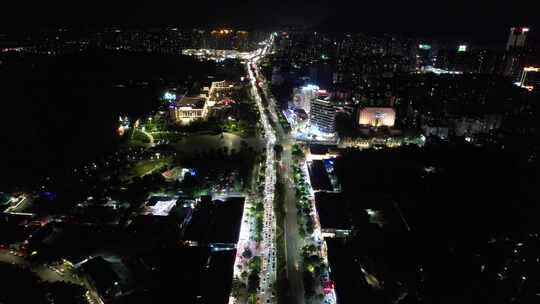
[
  {"x": 303, "y": 96},
  {"x": 515, "y": 51},
  {"x": 530, "y": 78},
  {"x": 517, "y": 37},
  {"x": 322, "y": 115},
  {"x": 424, "y": 56}
]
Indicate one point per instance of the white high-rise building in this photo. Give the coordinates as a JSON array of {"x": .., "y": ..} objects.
[
  {"x": 515, "y": 50},
  {"x": 303, "y": 96},
  {"x": 517, "y": 37},
  {"x": 323, "y": 115}
]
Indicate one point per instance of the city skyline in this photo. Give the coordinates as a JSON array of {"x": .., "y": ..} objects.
[
  {"x": 278, "y": 152},
  {"x": 482, "y": 22}
]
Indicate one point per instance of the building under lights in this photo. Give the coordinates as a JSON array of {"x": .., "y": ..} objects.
[
  {"x": 322, "y": 116},
  {"x": 530, "y": 78},
  {"x": 515, "y": 51},
  {"x": 424, "y": 56},
  {"x": 189, "y": 109},
  {"x": 517, "y": 37},
  {"x": 377, "y": 117},
  {"x": 303, "y": 96}
]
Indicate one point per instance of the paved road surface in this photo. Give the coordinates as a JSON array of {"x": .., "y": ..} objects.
[
  {"x": 292, "y": 236},
  {"x": 42, "y": 271},
  {"x": 293, "y": 242}
]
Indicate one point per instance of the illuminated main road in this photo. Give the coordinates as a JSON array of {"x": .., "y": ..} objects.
[
  {"x": 268, "y": 244},
  {"x": 266, "y": 248},
  {"x": 274, "y": 133},
  {"x": 293, "y": 240},
  {"x": 293, "y": 243}
]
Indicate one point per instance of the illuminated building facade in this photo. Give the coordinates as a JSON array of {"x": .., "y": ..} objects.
[
  {"x": 424, "y": 56},
  {"x": 189, "y": 109},
  {"x": 517, "y": 37},
  {"x": 515, "y": 51},
  {"x": 530, "y": 78},
  {"x": 303, "y": 96},
  {"x": 220, "y": 90},
  {"x": 377, "y": 117},
  {"x": 322, "y": 115}
]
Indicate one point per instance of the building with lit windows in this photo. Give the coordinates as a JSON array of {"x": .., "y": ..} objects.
[
  {"x": 377, "y": 117},
  {"x": 530, "y": 78},
  {"x": 517, "y": 37},
  {"x": 424, "y": 56},
  {"x": 515, "y": 52},
  {"x": 322, "y": 116},
  {"x": 303, "y": 96},
  {"x": 189, "y": 109}
]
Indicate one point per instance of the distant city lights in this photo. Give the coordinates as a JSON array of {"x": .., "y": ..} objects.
[{"x": 431, "y": 69}]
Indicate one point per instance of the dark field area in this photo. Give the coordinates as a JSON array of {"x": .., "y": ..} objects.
[
  {"x": 61, "y": 111},
  {"x": 467, "y": 226}
]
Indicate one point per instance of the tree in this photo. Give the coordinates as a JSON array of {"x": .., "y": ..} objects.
[
  {"x": 64, "y": 293},
  {"x": 14, "y": 279},
  {"x": 237, "y": 286},
  {"x": 255, "y": 264},
  {"x": 252, "y": 298},
  {"x": 302, "y": 232},
  {"x": 253, "y": 281},
  {"x": 309, "y": 249},
  {"x": 247, "y": 253},
  {"x": 297, "y": 151},
  {"x": 308, "y": 283},
  {"x": 244, "y": 274}
]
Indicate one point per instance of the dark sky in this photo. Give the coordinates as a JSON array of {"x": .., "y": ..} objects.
[{"x": 481, "y": 19}]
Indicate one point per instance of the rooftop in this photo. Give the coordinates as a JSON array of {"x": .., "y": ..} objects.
[
  {"x": 101, "y": 273},
  {"x": 318, "y": 149},
  {"x": 319, "y": 177},
  {"x": 160, "y": 205},
  {"x": 216, "y": 222},
  {"x": 332, "y": 210},
  {"x": 195, "y": 102}
]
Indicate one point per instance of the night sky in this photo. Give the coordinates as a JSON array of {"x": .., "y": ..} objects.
[{"x": 482, "y": 20}]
